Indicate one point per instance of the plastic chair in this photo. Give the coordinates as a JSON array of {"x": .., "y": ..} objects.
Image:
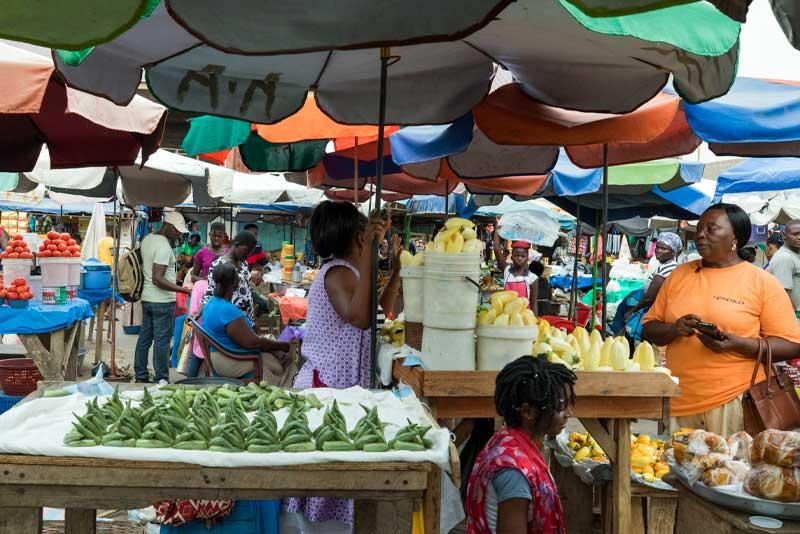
[{"x": 207, "y": 342}]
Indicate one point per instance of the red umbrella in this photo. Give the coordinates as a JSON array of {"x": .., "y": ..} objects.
[{"x": 80, "y": 130}]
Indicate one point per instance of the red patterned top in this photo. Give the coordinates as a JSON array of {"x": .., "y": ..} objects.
[{"x": 514, "y": 448}]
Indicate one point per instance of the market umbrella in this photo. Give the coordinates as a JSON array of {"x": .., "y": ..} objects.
[
  {"x": 615, "y": 65},
  {"x": 89, "y": 22},
  {"x": 79, "y": 129}
]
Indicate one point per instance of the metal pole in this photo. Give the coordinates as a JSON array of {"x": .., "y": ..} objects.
[
  {"x": 373, "y": 345},
  {"x": 446, "y": 201},
  {"x": 117, "y": 236},
  {"x": 605, "y": 232},
  {"x": 573, "y": 295},
  {"x": 355, "y": 173},
  {"x": 594, "y": 269}
]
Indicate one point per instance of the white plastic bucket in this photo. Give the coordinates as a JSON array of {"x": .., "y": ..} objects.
[
  {"x": 13, "y": 269},
  {"x": 450, "y": 299},
  {"x": 499, "y": 345},
  {"x": 413, "y": 293},
  {"x": 74, "y": 271},
  {"x": 448, "y": 350},
  {"x": 35, "y": 283},
  {"x": 55, "y": 271}
]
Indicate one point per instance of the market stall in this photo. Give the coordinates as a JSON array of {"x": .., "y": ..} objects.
[{"x": 404, "y": 478}]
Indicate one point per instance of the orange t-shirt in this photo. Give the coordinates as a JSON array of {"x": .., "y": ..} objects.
[{"x": 741, "y": 299}]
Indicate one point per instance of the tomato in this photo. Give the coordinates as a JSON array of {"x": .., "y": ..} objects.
[
  {"x": 57, "y": 254},
  {"x": 72, "y": 242},
  {"x": 22, "y": 290},
  {"x": 17, "y": 237},
  {"x": 19, "y": 282},
  {"x": 45, "y": 242},
  {"x": 62, "y": 247},
  {"x": 26, "y": 296},
  {"x": 26, "y": 256},
  {"x": 65, "y": 236},
  {"x": 12, "y": 295},
  {"x": 46, "y": 254},
  {"x": 12, "y": 256},
  {"x": 52, "y": 248},
  {"x": 52, "y": 235}
]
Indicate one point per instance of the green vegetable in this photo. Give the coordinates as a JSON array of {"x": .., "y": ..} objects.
[
  {"x": 151, "y": 444},
  {"x": 408, "y": 446},
  {"x": 52, "y": 393},
  {"x": 331, "y": 446},
  {"x": 307, "y": 446},
  {"x": 376, "y": 447},
  {"x": 263, "y": 448}
]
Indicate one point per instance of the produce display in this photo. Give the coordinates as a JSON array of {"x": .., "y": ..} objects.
[
  {"x": 18, "y": 290},
  {"x": 458, "y": 235},
  {"x": 59, "y": 246},
  {"x": 215, "y": 419},
  {"x": 412, "y": 260},
  {"x": 589, "y": 352},
  {"x": 646, "y": 454},
  {"x": 393, "y": 332},
  {"x": 17, "y": 249},
  {"x": 506, "y": 309}
]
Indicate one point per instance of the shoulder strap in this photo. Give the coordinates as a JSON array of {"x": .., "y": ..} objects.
[{"x": 764, "y": 358}]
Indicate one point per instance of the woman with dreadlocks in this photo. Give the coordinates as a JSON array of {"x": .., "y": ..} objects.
[{"x": 510, "y": 489}]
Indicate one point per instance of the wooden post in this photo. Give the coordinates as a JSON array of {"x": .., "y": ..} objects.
[
  {"x": 98, "y": 338},
  {"x": 373, "y": 517},
  {"x": 621, "y": 484},
  {"x": 20, "y": 520},
  {"x": 432, "y": 501},
  {"x": 79, "y": 521},
  {"x": 58, "y": 350}
]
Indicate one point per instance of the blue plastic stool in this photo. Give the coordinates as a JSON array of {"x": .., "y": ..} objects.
[
  {"x": 247, "y": 517},
  {"x": 8, "y": 401}
]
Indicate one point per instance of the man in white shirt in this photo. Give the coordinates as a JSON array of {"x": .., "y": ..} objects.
[
  {"x": 158, "y": 297},
  {"x": 785, "y": 264}
]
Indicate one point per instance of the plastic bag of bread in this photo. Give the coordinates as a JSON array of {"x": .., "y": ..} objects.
[
  {"x": 702, "y": 463},
  {"x": 702, "y": 442},
  {"x": 725, "y": 473},
  {"x": 677, "y": 448},
  {"x": 774, "y": 483},
  {"x": 776, "y": 447},
  {"x": 739, "y": 445}
]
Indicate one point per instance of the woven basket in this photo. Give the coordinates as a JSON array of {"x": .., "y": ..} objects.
[
  {"x": 19, "y": 376},
  {"x": 103, "y": 527},
  {"x": 413, "y": 335}
]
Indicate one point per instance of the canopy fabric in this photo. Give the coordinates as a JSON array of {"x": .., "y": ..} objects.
[
  {"x": 433, "y": 205},
  {"x": 396, "y": 182},
  {"x": 261, "y": 189},
  {"x": 275, "y": 26},
  {"x": 507, "y": 205},
  {"x": 735, "y": 9},
  {"x": 90, "y": 22},
  {"x": 756, "y": 118},
  {"x": 615, "y": 65},
  {"x": 79, "y": 129},
  {"x": 635, "y": 226},
  {"x": 363, "y": 195},
  {"x": 759, "y": 174}
]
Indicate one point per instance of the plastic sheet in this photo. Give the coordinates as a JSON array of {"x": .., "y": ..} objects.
[{"x": 40, "y": 318}]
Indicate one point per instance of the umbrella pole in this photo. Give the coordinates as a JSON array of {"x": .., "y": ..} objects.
[
  {"x": 355, "y": 173},
  {"x": 605, "y": 234},
  {"x": 113, "y": 325},
  {"x": 594, "y": 270},
  {"x": 373, "y": 345},
  {"x": 446, "y": 201},
  {"x": 573, "y": 294}
]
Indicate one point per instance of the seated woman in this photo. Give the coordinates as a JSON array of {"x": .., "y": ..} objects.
[
  {"x": 510, "y": 488},
  {"x": 231, "y": 328}
]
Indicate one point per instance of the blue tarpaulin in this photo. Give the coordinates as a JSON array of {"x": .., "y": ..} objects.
[
  {"x": 40, "y": 318},
  {"x": 434, "y": 205},
  {"x": 415, "y": 144},
  {"x": 759, "y": 174}
]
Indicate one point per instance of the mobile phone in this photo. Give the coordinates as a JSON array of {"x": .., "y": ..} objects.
[{"x": 709, "y": 329}]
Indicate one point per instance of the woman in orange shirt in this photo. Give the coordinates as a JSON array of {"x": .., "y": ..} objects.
[{"x": 743, "y": 302}]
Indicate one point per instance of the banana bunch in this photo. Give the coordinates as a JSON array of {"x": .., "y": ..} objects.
[
  {"x": 411, "y": 438},
  {"x": 331, "y": 435},
  {"x": 507, "y": 309},
  {"x": 412, "y": 260},
  {"x": 228, "y": 434},
  {"x": 87, "y": 430},
  {"x": 458, "y": 235},
  {"x": 295, "y": 434},
  {"x": 197, "y": 434},
  {"x": 126, "y": 429},
  {"x": 646, "y": 457},
  {"x": 368, "y": 433},
  {"x": 585, "y": 447},
  {"x": 262, "y": 434}
]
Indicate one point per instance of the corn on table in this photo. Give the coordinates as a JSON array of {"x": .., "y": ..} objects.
[
  {"x": 606, "y": 402},
  {"x": 386, "y": 493}
]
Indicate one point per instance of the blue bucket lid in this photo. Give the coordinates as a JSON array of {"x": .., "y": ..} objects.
[{"x": 93, "y": 264}]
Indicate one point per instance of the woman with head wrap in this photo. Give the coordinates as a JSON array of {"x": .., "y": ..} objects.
[{"x": 667, "y": 248}]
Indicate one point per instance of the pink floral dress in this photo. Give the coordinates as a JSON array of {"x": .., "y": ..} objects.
[{"x": 339, "y": 353}]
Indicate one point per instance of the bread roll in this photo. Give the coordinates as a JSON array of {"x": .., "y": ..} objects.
[
  {"x": 776, "y": 447},
  {"x": 702, "y": 442},
  {"x": 739, "y": 445},
  {"x": 774, "y": 483},
  {"x": 725, "y": 473}
]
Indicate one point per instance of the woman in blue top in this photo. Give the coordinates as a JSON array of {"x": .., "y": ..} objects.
[{"x": 231, "y": 328}]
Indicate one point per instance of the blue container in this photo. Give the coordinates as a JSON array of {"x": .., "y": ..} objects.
[
  {"x": 251, "y": 517},
  {"x": 7, "y": 402},
  {"x": 95, "y": 274}
]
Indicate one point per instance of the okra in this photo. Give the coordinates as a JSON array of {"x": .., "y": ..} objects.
[
  {"x": 191, "y": 445},
  {"x": 151, "y": 444},
  {"x": 335, "y": 446},
  {"x": 408, "y": 446},
  {"x": 306, "y": 446},
  {"x": 263, "y": 448},
  {"x": 376, "y": 447}
]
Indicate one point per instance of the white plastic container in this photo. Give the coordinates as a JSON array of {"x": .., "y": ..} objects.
[
  {"x": 450, "y": 300},
  {"x": 35, "y": 283},
  {"x": 13, "y": 269},
  {"x": 413, "y": 293},
  {"x": 499, "y": 345},
  {"x": 55, "y": 271},
  {"x": 74, "y": 271},
  {"x": 448, "y": 350}
]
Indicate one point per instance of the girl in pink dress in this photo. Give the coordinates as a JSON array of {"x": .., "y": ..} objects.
[
  {"x": 336, "y": 340},
  {"x": 206, "y": 255}
]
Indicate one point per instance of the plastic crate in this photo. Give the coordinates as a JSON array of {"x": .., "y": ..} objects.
[
  {"x": 253, "y": 517},
  {"x": 7, "y": 402}
]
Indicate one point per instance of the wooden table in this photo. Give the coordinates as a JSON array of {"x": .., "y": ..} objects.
[
  {"x": 386, "y": 493},
  {"x": 55, "y": 353},
  {"x": 605, "y": 404}
]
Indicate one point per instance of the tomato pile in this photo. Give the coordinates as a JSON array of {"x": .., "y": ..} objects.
[
  {"x": 17, "y": 249},
  {"x": 18, "y": 290},
  {"x": 59, "y": 246}
]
